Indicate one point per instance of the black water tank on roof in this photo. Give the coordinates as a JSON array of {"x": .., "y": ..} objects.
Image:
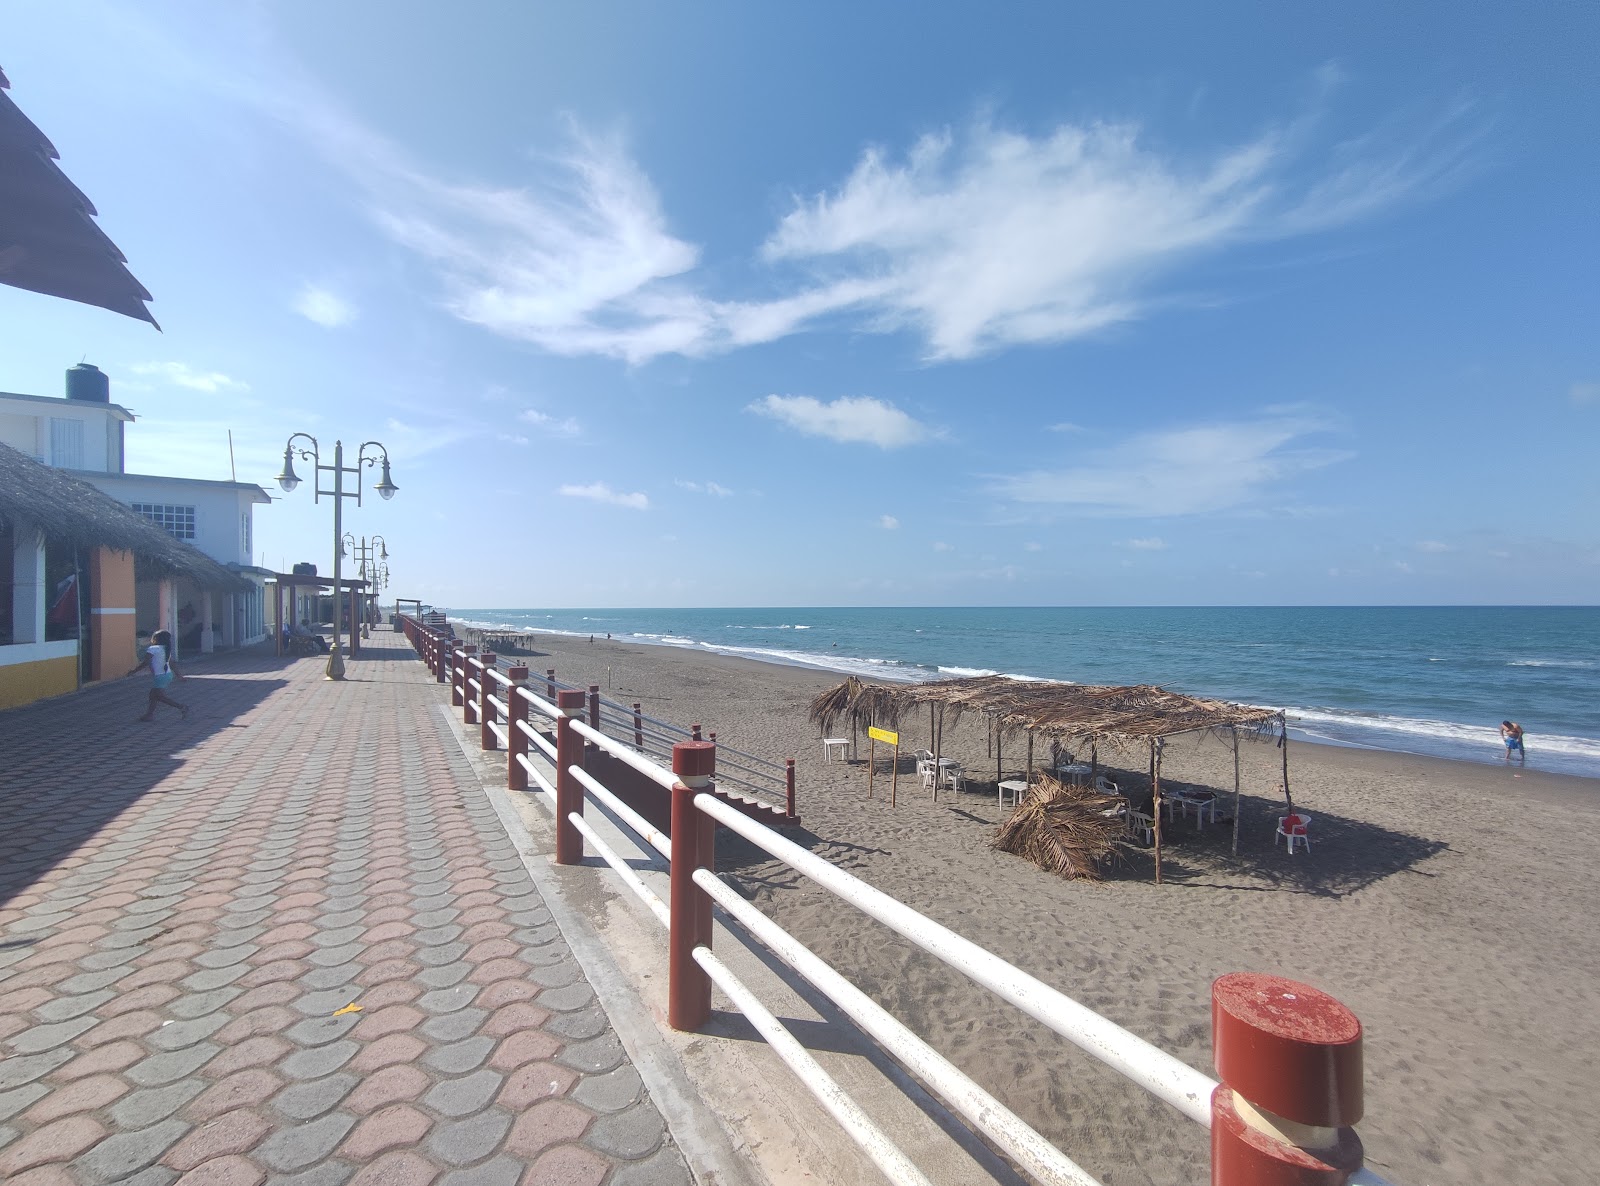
[{"x": 88, "y": 383}]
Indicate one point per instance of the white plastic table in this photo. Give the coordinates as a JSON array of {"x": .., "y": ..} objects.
[
  {"x": 1076, "y": 772},
  {"x": 841, "y": 743},
  {"x": 1016, "y": 786}
]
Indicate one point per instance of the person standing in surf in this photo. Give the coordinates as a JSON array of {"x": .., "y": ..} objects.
[
  {"x": 1511, "y": 734},
  {"x": 162, "y": 672}
]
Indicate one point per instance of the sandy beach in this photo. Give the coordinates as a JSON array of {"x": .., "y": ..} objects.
[{"x": 1449, "y": 904}]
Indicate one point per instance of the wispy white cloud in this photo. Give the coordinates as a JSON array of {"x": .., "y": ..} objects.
[
  {"x": 181, "y": 374},
  {"x": 975, "y": 241},
  {"x": 858, "y": 420},
  {"x": 941, "y": 546},
  {"x": 1186, "y": 471},
  {"x": 1152, "y": 543},
  {"x": 600, "y": 492},
  {"x": 889, "y": 523},
  {"x": 715, "y": 489},
  {"x": 513, "y": 438},
  {"x": 995, "y": 238},
  {"x": 1030, "y": 546},
  {"x": 550, "y": 425},
  {"x": 1067, "y": 426},
  {"x": 1433, "y": 546},
  {"x": 1584, "y": 393},
  {"x": 323, "y": 306}
]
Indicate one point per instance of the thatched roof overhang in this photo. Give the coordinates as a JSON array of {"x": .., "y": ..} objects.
[
  {"x": 1139, "y": 712},
  {"x": 49, "y": 242},
  {"x": 76, "y": 515}
]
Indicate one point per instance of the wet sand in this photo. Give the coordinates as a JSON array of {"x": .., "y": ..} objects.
[{"x": 1450, "y": 904}]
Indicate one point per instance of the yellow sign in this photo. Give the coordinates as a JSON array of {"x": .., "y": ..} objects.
[{"x": 883, "y": 735}]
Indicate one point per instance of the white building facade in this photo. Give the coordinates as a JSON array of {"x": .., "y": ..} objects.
[{"x": 85, "y": 433}]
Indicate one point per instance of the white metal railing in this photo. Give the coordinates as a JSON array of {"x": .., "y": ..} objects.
[{"x": 1166, "y": 1077}]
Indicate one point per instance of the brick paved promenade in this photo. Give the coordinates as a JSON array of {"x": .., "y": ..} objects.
[{"x": 189, "y": 908}]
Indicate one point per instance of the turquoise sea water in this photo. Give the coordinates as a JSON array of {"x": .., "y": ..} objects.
[{"x": 1431, "y": 680}]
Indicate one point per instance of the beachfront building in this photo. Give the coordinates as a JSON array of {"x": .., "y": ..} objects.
[
  {"x": 71, "y": 561},
  {"x": 84, "y": 433}
]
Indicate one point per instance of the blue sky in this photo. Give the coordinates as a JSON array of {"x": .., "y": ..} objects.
[{"x": 718, "y": 304}]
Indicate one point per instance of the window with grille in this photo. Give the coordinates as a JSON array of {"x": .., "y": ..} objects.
[
  {"x": 178, "y": 520},
  {"x": 244, "y": 532}
]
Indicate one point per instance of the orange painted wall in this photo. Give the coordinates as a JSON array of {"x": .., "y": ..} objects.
[{"x": 111, "y": 606}]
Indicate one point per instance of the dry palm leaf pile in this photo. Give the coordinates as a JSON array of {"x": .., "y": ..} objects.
[{"x": 1061, "y": 829}]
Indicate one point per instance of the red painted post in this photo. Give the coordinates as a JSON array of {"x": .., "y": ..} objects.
[
  {"x": 788, "y": 778},
  {"x": 442, "y": 671},
  {"x": 516, "y": 739},
  {"x": 1289, "y": 1057},
  {"x": 694, "y": 733},
  {"x": 550, "y": 684},
  {"x": 486, "y": 710},
  {"x": 638, "y": 726},
  {"x": 569, "y": 793},
  {"x": 693, "y": 847}
]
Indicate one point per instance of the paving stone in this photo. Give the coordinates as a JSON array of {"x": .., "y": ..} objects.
[
  {"x": 41, "y": 1038},
  {"x": 461, "y": 1142},
  {"x": 120, "y": 1156},
  {"x": 391, "y": 1085},
  {"x": 305, "y": 1065},
  {"x": 397, "y": 1169},
  {"x": 460, "y": 1097},
  {"x": 344, "y": 953},
  {"x": 152, "y": 1104},
  {"x": 319, "y": 1031},
  {"x": 399, "y": 1126},
  {"x": 451, "y": 1027},
  {"x": 448, "y": 1000},
  {"x": 665, "y": 1167},
  {"x": 444, "y": 977},
  {"x": 298, "y": 1147},
  {"x": 579, "y": 1024},
  {"x": 628, "y": 1134},
  {"x": 611, "y": 1092},
  {"x": 435, "y": 915},
  {"x": 322, "y": 978},
  {"x": 228, "y": 1135},
  {"x": 305, "y": 1101},
  {"x": 53, "y": 1143},
  {"x": 327, "y": 1173},
  {"x": 338, "y": 936},
  {"x": 210, "y": 978},
  {"x": 176, "y": 1035},
  {"x": 447, "y": 953},
  {"x": 66, "y": 1008},
  {"x": 85, "y": 982},
  {"x": 569, "y": 997},
  {"x": 161, "y": 1069},
  {"x": 155, "y": 1175},
  {"x": 458, "y": 1057},
  {"x": 323, "y": 1002},
  {"x": 550, "y": 1122},
  {"x": 439, "y": 935},
  {"x": 501, "y": 1171},
  {"x": 199, "y": 1004},
  {"x": 594, "y": 1056},
  {"x": 20, "y": 1098},
  {"x": 343, "y": 918},
  {"x": 15, "y": 1071},
  {"x": 226, "y": 957}
]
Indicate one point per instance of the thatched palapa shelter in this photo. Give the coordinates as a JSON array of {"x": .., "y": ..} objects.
[
  {"x": 75, "y": 515},
  {"x": 1142, "y": 715}
]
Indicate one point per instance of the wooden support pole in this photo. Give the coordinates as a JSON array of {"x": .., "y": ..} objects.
[
  {"x": 1283, "y": 744},
  {"x": 1155, "y": 799},
  {"x": 872, "y": 760},
  {"x": 569, "y": 792},
  {"x": 997, "y": 775},
  {"x": 1029, "y": 779},
  {"x": 1234, "y": 730}
]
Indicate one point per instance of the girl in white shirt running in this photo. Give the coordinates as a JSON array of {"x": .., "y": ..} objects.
[{"x": 162, "y": 671}]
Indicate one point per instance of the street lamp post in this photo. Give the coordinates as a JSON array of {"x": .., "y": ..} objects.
[
  {"x": 367, "y": 556},
  {"x": 288, "y": 479}
]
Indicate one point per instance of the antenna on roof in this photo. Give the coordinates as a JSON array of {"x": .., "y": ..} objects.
[{"x": 233, "y": 469}]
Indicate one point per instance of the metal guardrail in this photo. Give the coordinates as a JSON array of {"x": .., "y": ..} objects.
[{"x": 1292, "y": 1080}]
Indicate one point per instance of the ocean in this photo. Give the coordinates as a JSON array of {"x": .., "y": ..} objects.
[{"x": 1429, "y": 680}]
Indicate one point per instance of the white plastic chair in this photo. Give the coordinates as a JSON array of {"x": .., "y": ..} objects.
[
  {"x": 1105, "y": 786},
  {"x": 925, "y": 772},
  {"x": 1292, "y": 828},
  {"x": 954, "y": 779},
  {"x": 1139, "y": 822}
]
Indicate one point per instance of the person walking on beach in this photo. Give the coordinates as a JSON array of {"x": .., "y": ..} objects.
[
  {"x": 162, "y": 672},
  {"x": 1511, "y": 734}
]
